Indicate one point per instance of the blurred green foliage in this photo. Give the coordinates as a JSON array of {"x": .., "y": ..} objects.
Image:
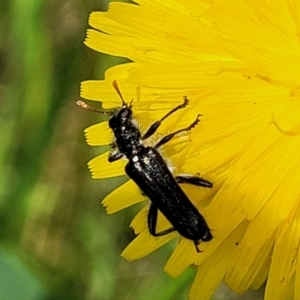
[{"x": 56, "y": 241}]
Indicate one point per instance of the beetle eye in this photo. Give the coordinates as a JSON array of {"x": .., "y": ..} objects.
[{"x": 125, "y": 113}]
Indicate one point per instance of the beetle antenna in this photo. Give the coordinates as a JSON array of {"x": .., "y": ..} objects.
[
  {"x": 91, "y": 109},
  {"x": 115, "y": 85}
]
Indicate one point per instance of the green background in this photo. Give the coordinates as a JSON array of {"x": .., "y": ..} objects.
[{"x": 56, "y": 241}]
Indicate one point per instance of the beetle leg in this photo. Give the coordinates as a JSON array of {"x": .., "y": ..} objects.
[
  {"x": 196, "y": 243},
  {"x": 168, "y": 137},
  {"x": 195, "y": 180},
  {"x": 152, "y": 129},
  {"x": 152, "y": 222},
  {"x": 114, "y": 153}
]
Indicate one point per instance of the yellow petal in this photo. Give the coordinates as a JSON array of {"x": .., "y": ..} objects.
[
  {"x": 100, "y": 167},
  {"x": 211, "y": 272},
  {"x": 262, "y": 274},
  {"x": 125, "y": 195},
  {"x": 204, "y": 75},
  {"x": 182, "y": 257},
  {"x": 103, "y": 91},
  {"x": 245, "y": 270},
  {"x": 279, "y": 64},
  {"x": 192, "y": 8},
  {"x": 155, "y": 25},
  {"x": 284, "y": 261},
  {"x": 139, "y": 223},
  {"x": 228, "y": 219},
  {"x": 98, "y": 135},
  {"x": 144, "y": 244}
]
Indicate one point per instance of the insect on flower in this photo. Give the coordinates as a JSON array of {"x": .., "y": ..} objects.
[{"x": 148, "y": 169}]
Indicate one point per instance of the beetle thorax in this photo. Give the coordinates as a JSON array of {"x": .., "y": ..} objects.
[{"x": 127, "y": 137}]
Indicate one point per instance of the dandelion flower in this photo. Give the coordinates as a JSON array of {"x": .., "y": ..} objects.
[{"x": 238, "y": 62}]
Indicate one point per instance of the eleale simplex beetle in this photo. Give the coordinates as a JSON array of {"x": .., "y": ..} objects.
[{"x": 149, "y": 170}]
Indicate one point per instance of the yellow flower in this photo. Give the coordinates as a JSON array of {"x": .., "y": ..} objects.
[{"x": 238, "y": 62}]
